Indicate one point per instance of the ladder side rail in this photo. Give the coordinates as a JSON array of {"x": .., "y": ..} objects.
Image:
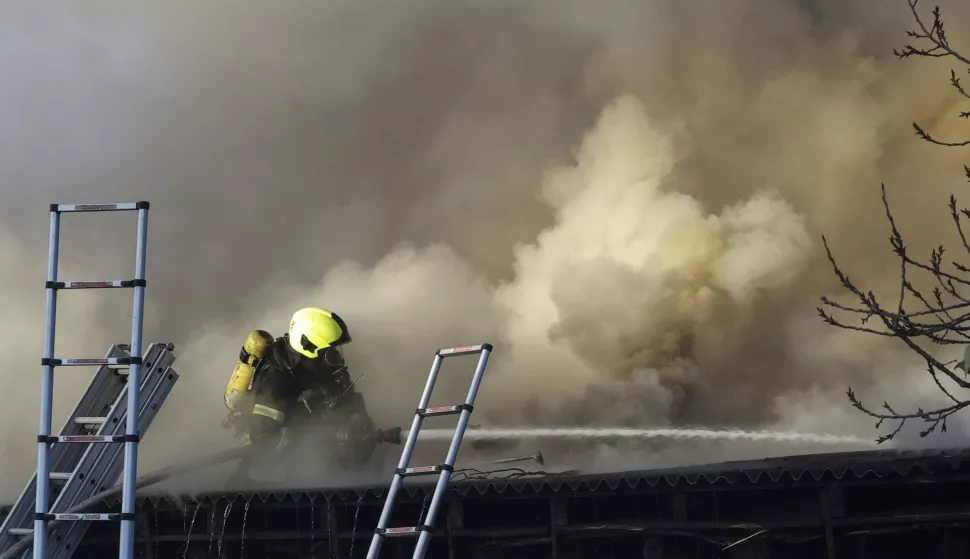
[
  {"x": 377, "y": 540},
  {"x": 69, "y": 535},
  {"x": 423, "y": 402},
  {"x": 424, "y": 539},
  {"x": 42, "y": 490},
  {"x": 63, "y": 457},
  {"x": 99, "y": 456},
  {"x": 127, "y": 545}
]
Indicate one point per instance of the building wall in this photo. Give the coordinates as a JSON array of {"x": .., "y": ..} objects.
[{"x": 870, "y": 518}]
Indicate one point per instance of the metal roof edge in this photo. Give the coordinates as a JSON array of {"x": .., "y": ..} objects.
[{"x": 818, "y": 467}]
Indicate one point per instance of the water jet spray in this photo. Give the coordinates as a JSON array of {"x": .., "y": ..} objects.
[{"x": 606, "y": 434}]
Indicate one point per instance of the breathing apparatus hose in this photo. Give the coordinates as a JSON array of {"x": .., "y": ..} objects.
[{"x": 148, "y": 479}]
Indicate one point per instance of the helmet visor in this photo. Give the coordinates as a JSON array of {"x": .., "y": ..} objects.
[{"x": 333, "y": 355}]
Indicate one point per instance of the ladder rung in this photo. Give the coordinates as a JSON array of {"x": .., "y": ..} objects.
[
  {"x": 442, "y": 410},
  {"x": 108, "y": 284},
  {"x": 60, "y": 476},
  {"x": 62, "y": 516},
  {"x": 86, "y": 439},
  {"x": 423, "y": 470},
  {"x": 412, "y": 531},
  {"x": 20, "y": 532},
  {"x": 464, "y": 350},
  {"x": 87, "y": 362},
  {"x": 90, "y": 420},
  {"x": 122, "y": 207}
]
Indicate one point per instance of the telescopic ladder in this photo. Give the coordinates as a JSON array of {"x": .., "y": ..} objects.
[
  {"x": 444, "y": 471},
  {"x": 80, "y": 471},
  {"x": 130, "y": 438}
]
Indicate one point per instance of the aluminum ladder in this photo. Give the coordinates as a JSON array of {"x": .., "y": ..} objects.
[
  {"x": 131, "y": 437},
  {"x": 80, "y": 471},
  {"x": 444, "y": 471}
]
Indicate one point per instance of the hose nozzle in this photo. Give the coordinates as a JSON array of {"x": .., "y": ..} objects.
[{"x": 389, "y": 436}]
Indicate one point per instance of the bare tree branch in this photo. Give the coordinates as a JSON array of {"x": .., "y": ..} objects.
[
  {"x": 940, "y": 322},
  {"x": 943, "y": 319},
  {"x": 937, "y": 46}
]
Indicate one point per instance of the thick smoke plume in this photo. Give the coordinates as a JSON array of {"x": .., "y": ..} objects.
[{"x": 626, "y": 201}]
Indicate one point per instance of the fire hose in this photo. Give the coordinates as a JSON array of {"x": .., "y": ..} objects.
[{"x": 391, "y": 436}]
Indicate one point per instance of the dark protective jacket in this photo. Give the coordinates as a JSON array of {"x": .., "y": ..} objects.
[{"x": 292, "y": 390}]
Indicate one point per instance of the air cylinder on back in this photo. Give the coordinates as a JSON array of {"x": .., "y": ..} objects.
[{"x": 238, "y": 395}]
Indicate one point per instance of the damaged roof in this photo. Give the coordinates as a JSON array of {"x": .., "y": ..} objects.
[{"x": 845, "y": 467}]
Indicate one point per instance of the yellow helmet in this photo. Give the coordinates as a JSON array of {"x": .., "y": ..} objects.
[{"x": 314, "y": 329}]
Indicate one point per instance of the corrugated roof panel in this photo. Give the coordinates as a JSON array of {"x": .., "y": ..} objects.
[{"x": 793, "y": 469}]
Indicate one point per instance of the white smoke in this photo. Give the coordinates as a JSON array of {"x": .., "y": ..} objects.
[{"x": 627, "y": 202}]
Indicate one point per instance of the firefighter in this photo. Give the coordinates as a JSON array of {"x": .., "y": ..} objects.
[{"x": 295, "y": 386}]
